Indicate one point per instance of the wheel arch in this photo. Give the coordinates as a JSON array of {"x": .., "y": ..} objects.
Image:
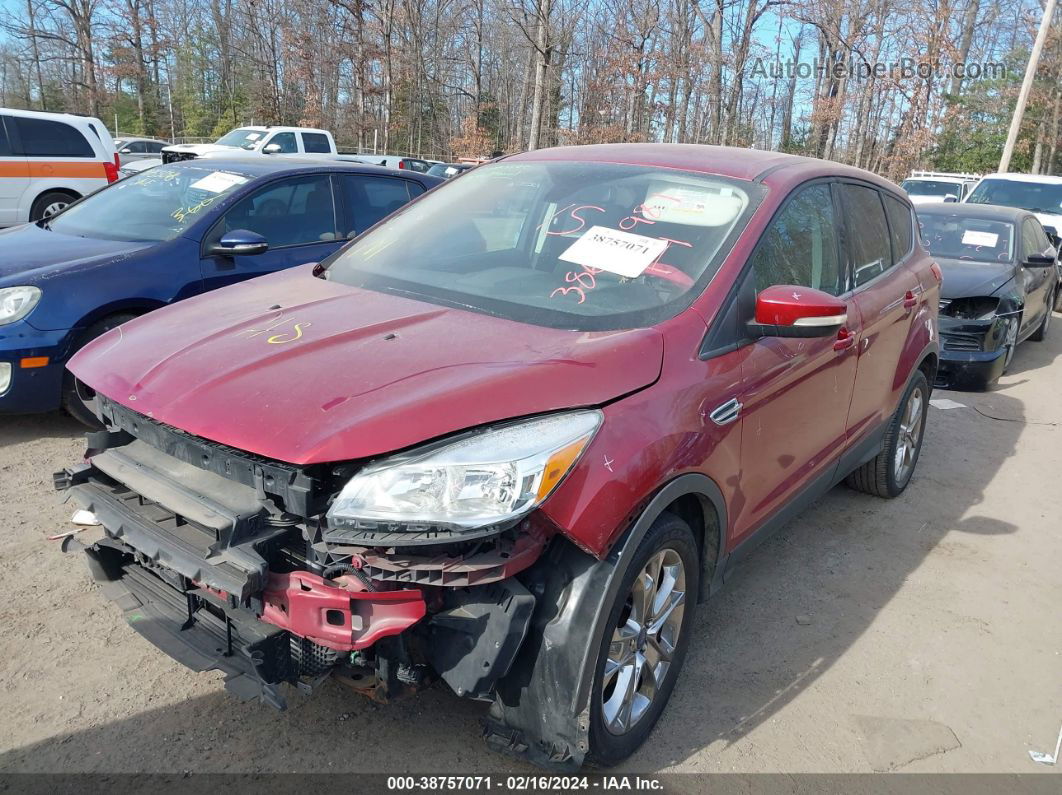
[{"x": 542, "y": 705}]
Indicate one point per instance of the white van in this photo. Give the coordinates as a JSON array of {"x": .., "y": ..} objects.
[{"x": 48, "y": 160}]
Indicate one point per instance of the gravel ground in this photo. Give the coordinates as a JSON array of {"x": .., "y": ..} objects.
[{"x": 920, "y": 635}]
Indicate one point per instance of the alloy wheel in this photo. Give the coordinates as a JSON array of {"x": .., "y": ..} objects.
[
  {"x": 908, "y": 436},
  {"x": 1010, "y": 341},
  {"x": 53, "y": 208},
  {"x": 644, "y": 641}
]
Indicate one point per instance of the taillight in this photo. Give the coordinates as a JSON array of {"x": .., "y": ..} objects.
[
  {"x": 401, "y": 163},
  {"x": 111, "y": 169}
]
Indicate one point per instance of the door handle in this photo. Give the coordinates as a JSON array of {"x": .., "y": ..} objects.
[
  {"x": 726, "y": 413},
  {"x": 910, "y": 300},
  {"x": 845, "y": 340}
]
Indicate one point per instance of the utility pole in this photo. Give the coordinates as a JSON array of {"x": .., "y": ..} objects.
[{"x": 1026, "y": 86}]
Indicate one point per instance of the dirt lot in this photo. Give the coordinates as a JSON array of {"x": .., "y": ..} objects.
[{"x": 921, "y": 634}]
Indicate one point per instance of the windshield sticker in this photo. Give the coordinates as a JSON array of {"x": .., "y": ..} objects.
[
  {"x": 253, "y": 136},
  {"x": 218, "y": 182},
  {"x": 973, "y": 238},
  {"x": 671, "y": 204},
  {"x": 611, "y": 250}
]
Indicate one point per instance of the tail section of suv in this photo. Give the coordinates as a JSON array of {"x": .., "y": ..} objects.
[
  {"x": 512, "y": 436},
  {"x": 50, "y": 160}
]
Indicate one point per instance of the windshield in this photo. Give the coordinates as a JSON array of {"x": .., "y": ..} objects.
[
  {"x": 243, "y": 139},
  {"x": 439, "y": 170},
  {"x": 973, "y": 239},
  {"x": 1037, "y": 197},
  {"x": 564, "y": 244},
  {"x": 153, "y": 206},
  {"x": 931, "y": 187}
]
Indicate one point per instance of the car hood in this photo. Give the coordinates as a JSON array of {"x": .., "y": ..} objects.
[
  {"x": 1051, "y": 219},
  {"x": 29, "y": 253},
  {"x": 305, "y": 370},
  {"x": 965, "y": 279}
]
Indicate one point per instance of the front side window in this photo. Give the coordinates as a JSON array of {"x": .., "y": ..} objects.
[
  {"x": 289, "y": 212},
  {"x": 153, "y": 206},
  {"x": 315, "y": 142},
  {"x": 869, "y": 247},
  {"x": 800, "y": 245},
  {"x": 1034, "y": 239},
  {"x": 136, "y": 148},
  {"x": 286, "y": 142},
  {"x": 154, "y": 147},
  {"x": 950, "y": 236},
  {"x": 565, "y": 244},
  {"x": 46, "y": 138},
  {"x": 1037, "y": 197}
]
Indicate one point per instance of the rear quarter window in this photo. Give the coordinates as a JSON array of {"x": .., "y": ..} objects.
[
  {"x": 901, "y": 227},
  {"x": 47, "y": 138}
]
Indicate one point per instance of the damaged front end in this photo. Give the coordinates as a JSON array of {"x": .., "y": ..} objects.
[
  {"x": 226, "y": 560},
  {"x": 976, "y": 334}
]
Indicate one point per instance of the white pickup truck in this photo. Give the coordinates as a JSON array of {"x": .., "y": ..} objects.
[{"x": 258, "y": 141}]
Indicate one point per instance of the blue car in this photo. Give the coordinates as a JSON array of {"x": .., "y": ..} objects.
[{"x": 165, "y": 234}]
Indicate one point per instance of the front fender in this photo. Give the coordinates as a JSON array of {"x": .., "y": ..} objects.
[{"x": 542, "y": 706}]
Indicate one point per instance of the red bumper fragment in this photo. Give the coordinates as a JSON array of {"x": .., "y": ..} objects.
[{"x": 306, "y": 605}]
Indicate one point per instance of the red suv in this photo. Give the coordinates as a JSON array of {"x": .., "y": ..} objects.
[{"x": 509, "y": 437}]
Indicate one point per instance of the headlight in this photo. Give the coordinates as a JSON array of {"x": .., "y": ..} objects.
[
  {"x": 483, "y": 479},
  {"x": 17, "y": 302}
]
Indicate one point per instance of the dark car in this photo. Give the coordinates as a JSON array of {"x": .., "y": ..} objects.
[
  {"x": 166, "y": 234},
  {"x": 510, "y": 437},
  {"x": 1000, "y": 280}
]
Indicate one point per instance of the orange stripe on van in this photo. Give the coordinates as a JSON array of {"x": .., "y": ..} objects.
[{"x": 52, "y": 168}]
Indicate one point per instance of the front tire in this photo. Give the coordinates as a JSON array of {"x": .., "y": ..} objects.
[
  {"x": 79, "y": 400},
  {"x": 888, "y": 473},
  {"x": 646, "y": 640},
  {"x": 1041, "y": 333}
]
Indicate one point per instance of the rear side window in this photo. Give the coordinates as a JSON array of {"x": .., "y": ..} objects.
[
  {"x": 154, "y": 147},
  {"x": 47, "y": 138},
  {"x": 800, "y": 245},
  {"x": 315, "y": 142},
  {"x": 869, "y": 245},
  {"x": 5, "y": 144},
  {"x": 370, "y": 199},
  {"x": 901, "y": 227}
]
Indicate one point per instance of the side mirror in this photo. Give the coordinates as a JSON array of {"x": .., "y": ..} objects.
[
  {"x": 125, "y": 150},
  {"x": 790, "y": 311},
  {"x": 951, "y": 197},
  {"x": 270, "y": 149},
  {"x": 239, "y": 243},
  {"x": 1039, "y": 261}
]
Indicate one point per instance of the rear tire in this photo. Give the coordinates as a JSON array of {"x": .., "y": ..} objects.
[
  {"x": 883, "y": 475},
  {"x": 645, "y": 641},
  {"x": 79, "y": 400},
  {"x": 48, "y": 204}
]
